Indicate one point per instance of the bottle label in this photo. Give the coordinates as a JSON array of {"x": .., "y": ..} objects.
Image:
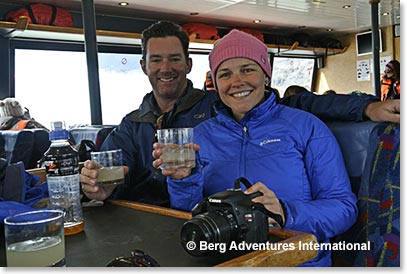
[{"x": 60, "y": 166}]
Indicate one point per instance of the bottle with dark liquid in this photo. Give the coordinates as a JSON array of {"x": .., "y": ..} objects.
[{"x": 61, "y": 163}]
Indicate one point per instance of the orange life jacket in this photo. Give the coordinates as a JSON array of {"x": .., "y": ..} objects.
[
  {"x": 20, "y": 125},
  {"x": 387, "y": 86}
]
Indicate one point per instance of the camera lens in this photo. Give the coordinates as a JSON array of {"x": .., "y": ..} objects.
[{"x": 219, "y": 227}]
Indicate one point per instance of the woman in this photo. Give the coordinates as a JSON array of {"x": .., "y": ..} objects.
[
  {"x": 290, "y": 155},
  {"x": 390, "y": 85}
]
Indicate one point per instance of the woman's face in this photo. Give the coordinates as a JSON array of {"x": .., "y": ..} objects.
[
  {"x": 389, "y": 72},
  {"x": 240, "y": 83}
]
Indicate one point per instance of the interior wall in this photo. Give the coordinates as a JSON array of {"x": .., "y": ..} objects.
[
  {"x": 340, "y": 73},
  {"x": 397, "y": 49}
]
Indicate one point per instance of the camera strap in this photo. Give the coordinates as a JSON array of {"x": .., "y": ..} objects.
[
  {"x": 245, "y": 182},
  {"x": 277, "y": 217}
]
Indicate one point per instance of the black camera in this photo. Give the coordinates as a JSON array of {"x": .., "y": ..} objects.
[{"x": 225, "y": 217}]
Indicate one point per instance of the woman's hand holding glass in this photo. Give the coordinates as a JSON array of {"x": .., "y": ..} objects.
[{"x": 176, "y": 174}]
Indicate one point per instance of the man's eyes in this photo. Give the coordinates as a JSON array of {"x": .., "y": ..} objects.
[
  {"x": 175, "y": 59},
  {"x": 172, "y": 60}
]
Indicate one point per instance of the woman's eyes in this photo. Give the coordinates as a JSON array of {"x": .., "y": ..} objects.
[
  {"x": 246, "y": 70},
  {"x": 243, "y": 71},
  {"x": 224, "y": 75}
]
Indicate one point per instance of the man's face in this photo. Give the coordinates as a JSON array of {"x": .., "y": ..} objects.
[{"x": 166, "y": 67}]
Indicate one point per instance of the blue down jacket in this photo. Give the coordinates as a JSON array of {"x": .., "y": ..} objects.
[{"x": 290, "y": 151}]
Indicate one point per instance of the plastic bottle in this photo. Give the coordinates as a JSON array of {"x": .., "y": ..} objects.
[{"x": 61, "y": 163}]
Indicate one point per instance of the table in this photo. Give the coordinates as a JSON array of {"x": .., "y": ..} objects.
[{"x": 117, "y": 227}]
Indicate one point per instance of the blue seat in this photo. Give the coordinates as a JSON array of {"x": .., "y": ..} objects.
[
  {"x": 372, "y": 156},
  {"x": 27, "y": 145},
  {"x": 41, "y": 145},
  {"x": 18, "y": 146},
  {"x": 95, "y": 133},
  {"x": 353, "y": 139},
  {"x": 379, "y": 200}
]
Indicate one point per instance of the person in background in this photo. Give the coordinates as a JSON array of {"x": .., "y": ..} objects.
[
  {"x": 14, "y": 117},
  {"x": 291, "y": 156},
  {"x": 294, "y": 89},
  {"x": 174, "y": 102},
  {"x": 390, "y": 84},
  {"x": 208, "y": 86},
  {"x": 329, "y": 91}
]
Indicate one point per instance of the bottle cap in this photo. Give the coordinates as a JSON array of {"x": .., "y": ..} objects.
[
  {"x": 58, "y": 131},
  {"x": 57, "y": 125}
]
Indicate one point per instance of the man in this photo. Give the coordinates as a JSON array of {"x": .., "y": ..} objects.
[{"x": 174, "y": 102}]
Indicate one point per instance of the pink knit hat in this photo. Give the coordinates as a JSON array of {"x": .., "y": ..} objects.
[{"x": 238, "y": 44}]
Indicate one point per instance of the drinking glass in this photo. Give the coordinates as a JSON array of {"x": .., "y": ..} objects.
[
  {"x": 110, "y": 166},
  {"x": 177, "y": 148},
  {"x": 35, "y": 238}
]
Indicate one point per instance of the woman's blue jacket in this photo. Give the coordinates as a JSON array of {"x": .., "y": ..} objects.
[{"x": 290, "y": 151}]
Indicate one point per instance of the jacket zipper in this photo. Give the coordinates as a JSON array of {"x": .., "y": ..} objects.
[{"x": 245, "y": 140}]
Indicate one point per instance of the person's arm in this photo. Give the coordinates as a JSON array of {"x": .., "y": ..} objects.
[
  {"x": 186, "y": 193},
  {"x": 346, "y": 107},
  {"x": 387, "y": 111},
  {"x": 185, "y": 185}
]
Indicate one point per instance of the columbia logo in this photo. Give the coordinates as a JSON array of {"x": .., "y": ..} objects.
[{"x": 265, "y": 142}]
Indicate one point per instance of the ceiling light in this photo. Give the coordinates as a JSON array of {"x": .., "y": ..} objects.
[
  {"x": 385, "y": 13},
  {"x": 347, "y": 6},
  {"x": 256, "y": 21},
  {"x": 329, "y": 29},
  {"x": 123, "y": 4}
]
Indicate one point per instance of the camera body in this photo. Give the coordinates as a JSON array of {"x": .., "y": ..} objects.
[{"x": 225, "y": 217}]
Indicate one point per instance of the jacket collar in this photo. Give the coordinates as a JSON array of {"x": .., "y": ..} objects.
[
  {"x": 148, "y": 111},
  {"x": 256, "y": 114}
]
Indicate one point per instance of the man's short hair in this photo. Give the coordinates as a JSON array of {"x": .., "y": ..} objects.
[{"x": 165, "y": 29}]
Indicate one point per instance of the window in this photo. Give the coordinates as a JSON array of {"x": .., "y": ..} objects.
[
  {"x": 53, "y": 85},
  {"x": 123, "y": 85},
  {"x": 52, "y": 82},
  {"x": 200, "y": 65},
  {"x": 292, "y": 71}
]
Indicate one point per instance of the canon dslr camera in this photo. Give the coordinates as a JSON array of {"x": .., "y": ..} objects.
[{"x": 225, "y": 217}]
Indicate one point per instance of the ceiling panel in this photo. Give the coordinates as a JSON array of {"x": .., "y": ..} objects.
[{"x": 286, "y": 15}]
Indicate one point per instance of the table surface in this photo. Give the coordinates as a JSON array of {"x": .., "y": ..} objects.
[{"x": 118, "y": 227}]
